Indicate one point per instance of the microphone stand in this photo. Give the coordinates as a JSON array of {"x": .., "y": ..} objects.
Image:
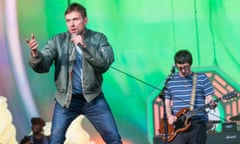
[{"x": 161, "y": 95}]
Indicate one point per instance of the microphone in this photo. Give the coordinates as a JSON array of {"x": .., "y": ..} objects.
[
  {"x": 77, "y": 46},
  {"x": 79, "y": 37},
  {"x": 73, "y": 36},
  {"x": 173, "y": 69}
]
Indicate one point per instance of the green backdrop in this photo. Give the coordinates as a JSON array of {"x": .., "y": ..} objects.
[{"x": 144, "y": 34}]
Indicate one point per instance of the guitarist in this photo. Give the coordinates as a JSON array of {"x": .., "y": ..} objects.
[{"x": 178, "y": 95}]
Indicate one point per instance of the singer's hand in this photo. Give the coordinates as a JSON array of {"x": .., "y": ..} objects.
[
  {"x": 33, "y": 45},
  {"x": 78, "y": 40}
]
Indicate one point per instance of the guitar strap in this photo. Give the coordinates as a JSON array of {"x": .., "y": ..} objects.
[{"x": 193, "y": 91}]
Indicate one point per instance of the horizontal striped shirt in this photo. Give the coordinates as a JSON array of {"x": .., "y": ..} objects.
[{"x": 179, "y": 90}]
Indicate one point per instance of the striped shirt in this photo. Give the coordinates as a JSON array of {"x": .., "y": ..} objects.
[{"x": 179, "y": 90}]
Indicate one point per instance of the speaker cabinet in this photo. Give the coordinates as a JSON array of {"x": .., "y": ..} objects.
[
  {"x": 224, "y": 138},
  {"x": 214, "y": 138}
]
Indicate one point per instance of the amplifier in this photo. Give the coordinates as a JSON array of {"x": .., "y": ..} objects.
[
  {"x": 229, "y": 137},
  {"x": 229, "y": 126},
  {"x": 214, "y": 138}
]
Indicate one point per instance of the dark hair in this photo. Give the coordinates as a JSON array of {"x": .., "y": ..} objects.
[
  {"x": 183, "y": 56},
  {"x": 37, "y": 120},
  {"x": 76, "y": 7}
]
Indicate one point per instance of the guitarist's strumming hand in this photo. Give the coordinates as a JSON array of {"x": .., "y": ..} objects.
[{"x": 171, "y": 119}]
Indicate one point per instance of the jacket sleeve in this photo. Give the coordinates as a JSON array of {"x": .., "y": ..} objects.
[
  {"x": 99, "y": 53},
  {"x": 43, "y": 61}
]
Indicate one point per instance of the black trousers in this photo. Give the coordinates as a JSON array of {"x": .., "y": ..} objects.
[{"x": 196, "y": 134}]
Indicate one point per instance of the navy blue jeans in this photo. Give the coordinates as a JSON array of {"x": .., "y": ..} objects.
[
  {"x": 98, "y": 113},
  {"x": 196, "y": 134}
]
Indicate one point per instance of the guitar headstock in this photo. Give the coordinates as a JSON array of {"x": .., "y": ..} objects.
[{"x": 230, "y": 95}]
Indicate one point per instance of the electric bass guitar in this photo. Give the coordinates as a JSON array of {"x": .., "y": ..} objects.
[{"x": 184, "y": 119}]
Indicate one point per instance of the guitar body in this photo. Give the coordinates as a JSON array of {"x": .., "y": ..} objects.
[{"x": 181, "y": 125}]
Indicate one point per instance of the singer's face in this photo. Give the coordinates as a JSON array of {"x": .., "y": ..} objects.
[
  {"x": 184, "y": 69},
  {"x": 75, "y": 22}
]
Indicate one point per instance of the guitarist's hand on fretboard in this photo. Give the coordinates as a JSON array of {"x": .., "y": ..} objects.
[{"x": 212, "y": 104}]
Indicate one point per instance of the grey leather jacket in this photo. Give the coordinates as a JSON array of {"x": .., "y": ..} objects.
[{"x": 60, "y": 51}]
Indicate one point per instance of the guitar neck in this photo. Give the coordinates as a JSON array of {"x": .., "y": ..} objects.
[{"x": 200, "y": 109}]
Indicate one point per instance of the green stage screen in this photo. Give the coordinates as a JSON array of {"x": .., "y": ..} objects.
[{"x": 144, "y": 35}]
